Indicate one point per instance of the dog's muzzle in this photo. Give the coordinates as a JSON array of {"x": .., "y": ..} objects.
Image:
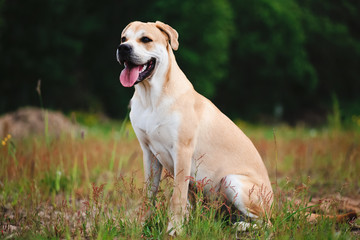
[{"x": 135, "y": 70}]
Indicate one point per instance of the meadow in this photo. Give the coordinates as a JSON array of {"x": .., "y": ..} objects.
[{"x": 88, "y": 185}]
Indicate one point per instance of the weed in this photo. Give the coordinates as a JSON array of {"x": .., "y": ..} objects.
[{"x": 334, "y": 120}]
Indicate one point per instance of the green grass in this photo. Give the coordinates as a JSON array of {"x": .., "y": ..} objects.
[{"x": 90, "y": 186}]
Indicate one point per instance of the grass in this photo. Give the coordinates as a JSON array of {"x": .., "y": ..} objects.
[{"x": 89, "y": 185}]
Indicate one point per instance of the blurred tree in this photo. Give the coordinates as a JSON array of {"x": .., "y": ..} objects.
[
  {"x": 333, "y": 44},
  {"x": 255, "y": 59},
  {"x": 43, "y": 39},
  {"x": 289, "y": 57},
  {"x": 270, "y": 67}
]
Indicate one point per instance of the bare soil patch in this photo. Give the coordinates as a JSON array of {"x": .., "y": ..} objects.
[{"x": 31, "y": 121}]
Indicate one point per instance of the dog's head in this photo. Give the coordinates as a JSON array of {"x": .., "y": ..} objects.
[{"x": 144, "y": 47}]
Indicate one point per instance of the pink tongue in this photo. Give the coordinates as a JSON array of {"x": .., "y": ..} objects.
[{"x": 129, "y": 76}]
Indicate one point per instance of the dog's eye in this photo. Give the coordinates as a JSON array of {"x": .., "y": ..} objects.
[
  {"x": 145, "y": 40},
  {"x": 123, "y": 39}
]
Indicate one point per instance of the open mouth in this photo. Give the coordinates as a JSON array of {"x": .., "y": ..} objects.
[{"x": 133, "y": 74}]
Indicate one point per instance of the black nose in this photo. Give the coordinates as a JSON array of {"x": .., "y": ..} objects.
[{"x": 124, "y": 50}]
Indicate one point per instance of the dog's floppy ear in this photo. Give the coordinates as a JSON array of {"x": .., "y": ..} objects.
[{"x": 170, "y": 32}]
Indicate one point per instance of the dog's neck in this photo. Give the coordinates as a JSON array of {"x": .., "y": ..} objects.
[{"x": 167, "y": 77}]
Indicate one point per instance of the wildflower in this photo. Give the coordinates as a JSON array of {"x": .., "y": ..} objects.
[{"x": 5, "y": 140}]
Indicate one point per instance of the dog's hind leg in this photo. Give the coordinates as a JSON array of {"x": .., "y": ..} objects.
[{"x": 249, "y": 198}]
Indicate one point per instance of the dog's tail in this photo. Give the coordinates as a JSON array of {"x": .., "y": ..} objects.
[{"x": 340, "y": 218}]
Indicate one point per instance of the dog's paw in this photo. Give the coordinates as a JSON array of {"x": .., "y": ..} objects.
[
  {"x": 171, "y": 229},
  {"x": 174, "y": 229},
  {"x": 244, "y": 226}
]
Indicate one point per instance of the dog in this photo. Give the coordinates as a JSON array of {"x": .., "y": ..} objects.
[{"x": 176, "y": 126}]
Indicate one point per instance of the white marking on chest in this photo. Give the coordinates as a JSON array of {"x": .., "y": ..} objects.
[{"x": 158, "y": 128}]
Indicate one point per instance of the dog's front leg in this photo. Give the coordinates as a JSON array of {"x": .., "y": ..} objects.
[
  {"x": 179, "y": 197},
  {"x": 152, "y": 170}
]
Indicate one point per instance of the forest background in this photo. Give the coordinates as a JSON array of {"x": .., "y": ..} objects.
[{"x": 264, "y": 60}]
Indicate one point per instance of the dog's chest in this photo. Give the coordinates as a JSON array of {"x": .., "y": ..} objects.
[{"x": 156, "y": 129}]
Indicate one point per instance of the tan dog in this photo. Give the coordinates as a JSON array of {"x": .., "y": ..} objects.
[{"x": 175, "y": 126}]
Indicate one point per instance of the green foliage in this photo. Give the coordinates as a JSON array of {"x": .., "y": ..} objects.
[
  {"x": 257, "y": 60},
  {"x": 334, "y": 46},
  {"x": 56, "y": 181},
  {"x": 270, "y": 63}
]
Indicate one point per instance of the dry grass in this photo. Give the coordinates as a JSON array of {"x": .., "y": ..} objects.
[{"x": 90, "y": 186}]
